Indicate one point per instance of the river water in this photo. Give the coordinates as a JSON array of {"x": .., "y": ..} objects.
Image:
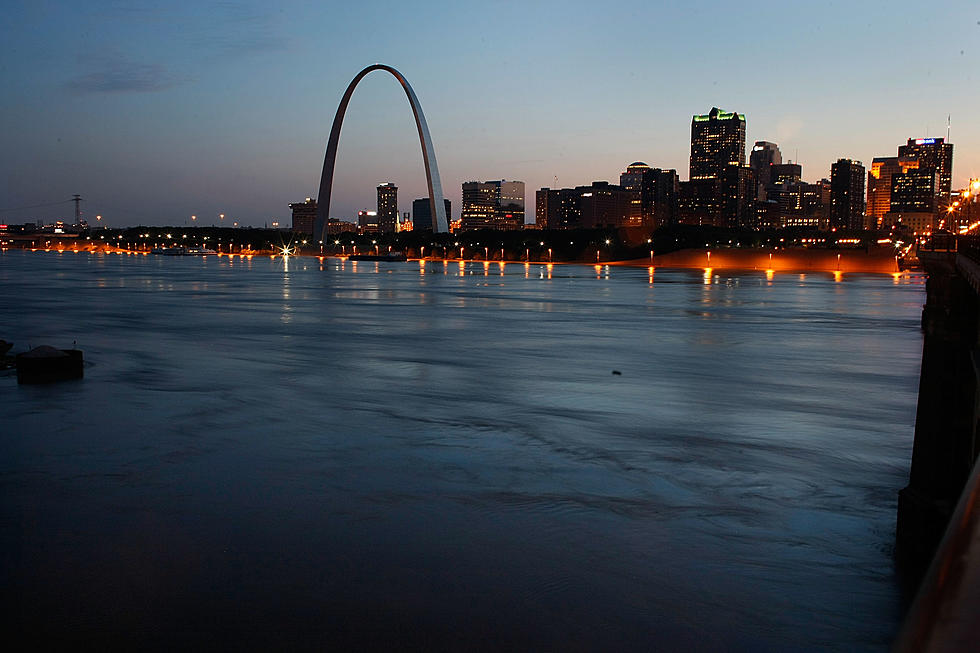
[{"x": 305, "y": 454}]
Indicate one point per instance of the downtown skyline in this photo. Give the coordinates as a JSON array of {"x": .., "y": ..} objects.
[{"x": 155, "y": 113}]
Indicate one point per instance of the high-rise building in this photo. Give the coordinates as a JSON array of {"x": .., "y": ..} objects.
[
  {"x": 700, "y": 202},
  {"x": 480, "y": 203},
  {"x": 422, "y": 213},
  {"x": 717, "y": 140},
  {"x": 656, "y": 191},
  {"x": 936, "y": 154},
  {"x": 546, "y": 204},
  {"x": 764, "y": 154},
  {"x": 883, "y": 168},
  {"x": 716, "y": 193},
  {"x": 599, "y": 205},
  {"x": 510, "y": 214},
  {"x": 915, "y": 190},
  {"x": 739, "y": 194},
  {"x": 800, "y": 204},
  {"x": 847, "y": 194},
  {"x": 304, "y": 216},
  {"x": 493, "y": 205},
  {"x": 387, "y": 208}
]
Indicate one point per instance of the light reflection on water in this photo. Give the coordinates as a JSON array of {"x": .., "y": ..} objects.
[{"x": 443, "y": 457}]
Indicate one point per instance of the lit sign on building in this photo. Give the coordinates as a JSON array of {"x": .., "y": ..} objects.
[{"x": 925, "y": 141}]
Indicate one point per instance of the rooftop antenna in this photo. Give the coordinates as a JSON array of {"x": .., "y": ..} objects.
[
  {"x": 947, "y": 127},
  {"x": 78, "y": 211}
]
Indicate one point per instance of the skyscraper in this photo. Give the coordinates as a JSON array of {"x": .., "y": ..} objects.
[
  {"x": 717, "y": 140},
  {"x": 936, "y": 154},
  {"x": 656, "y": 191},
  {"x": 847, "y": 194},
  {"x": 493, "y": 205},
  {"x": 883, "y": 168},
  {"x": 716, "y": 193},
  {"x": 915, "y": 190},
  {"x": 510, "y": 213},
  {"x": 764, "y": 154},
  {"x": 387, "y": 208},
  {"x": 480, "y": 203}
]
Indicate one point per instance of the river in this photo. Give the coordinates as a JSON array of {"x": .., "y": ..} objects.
[{"x": 294, "y": 453}]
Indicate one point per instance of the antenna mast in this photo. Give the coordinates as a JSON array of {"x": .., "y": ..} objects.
[{"x": 78, "y": 211}]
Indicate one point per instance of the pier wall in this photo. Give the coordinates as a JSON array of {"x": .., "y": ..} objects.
[{"x": 880, "y": 260}]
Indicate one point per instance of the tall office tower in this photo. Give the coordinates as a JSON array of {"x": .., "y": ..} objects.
[
  {"x": 822, "y": 189},
  {"x": 493, "y": 205},
  {"x": 304, "y": 216},
  {"x": 480, "y": 203},
  {"x": 717, "y": 140},
  {"x": 799, "y": 203},
  {"x": 699, "y": 202},
  {"x": 510, "y": 212},
  {"x": 422, "y": 213},
  {"x": 883, "y": 168},
  {"x": 933, "y": 153},
  {"x": 763, "y": 155},
  {"x": 723, "y": 201},
  {"x": 914, "y": 200},
  {"x": 915, "y": 190},
  {"x": 387, "y": 208},
  {"x": 740, "y": 192},
  {"x": 717, "y": 145},
  {"x": 656, "y": 191},
  {"x": 638, "y": 178},
  {"x": 847, "y": 194},
  {"x": 546, "y": 205},
  {"x": 666, "y": 189},
  {"x": 558, "y": 208}
]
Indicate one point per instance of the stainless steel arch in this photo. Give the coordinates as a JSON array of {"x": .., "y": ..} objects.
[{"x": 440, "y": 224}]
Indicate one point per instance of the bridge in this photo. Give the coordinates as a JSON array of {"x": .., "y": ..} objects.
[{"x": 938, "y": 534}]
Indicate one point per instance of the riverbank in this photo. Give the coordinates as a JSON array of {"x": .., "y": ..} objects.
[{"x": 879, "y": 260}]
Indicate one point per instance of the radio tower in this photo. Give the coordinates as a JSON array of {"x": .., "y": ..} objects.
[{"x": 78, "y": 210}]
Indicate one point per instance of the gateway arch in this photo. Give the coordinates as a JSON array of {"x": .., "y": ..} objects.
[{"x": 440, "y": 224}]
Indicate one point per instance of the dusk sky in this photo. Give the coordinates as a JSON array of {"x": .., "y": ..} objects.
[{"x": 155, "y": 111}]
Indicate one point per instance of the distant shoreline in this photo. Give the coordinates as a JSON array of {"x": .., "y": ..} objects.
[{"x": 735, "y": 259}]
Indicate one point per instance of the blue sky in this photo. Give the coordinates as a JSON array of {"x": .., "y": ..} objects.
[{"x": 155, "y": 111}]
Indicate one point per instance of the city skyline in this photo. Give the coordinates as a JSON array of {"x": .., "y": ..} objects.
[{"x": 227, "y": 110}]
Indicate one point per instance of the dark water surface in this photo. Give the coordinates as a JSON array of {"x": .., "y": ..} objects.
[{"x": 272, "y": 454}]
